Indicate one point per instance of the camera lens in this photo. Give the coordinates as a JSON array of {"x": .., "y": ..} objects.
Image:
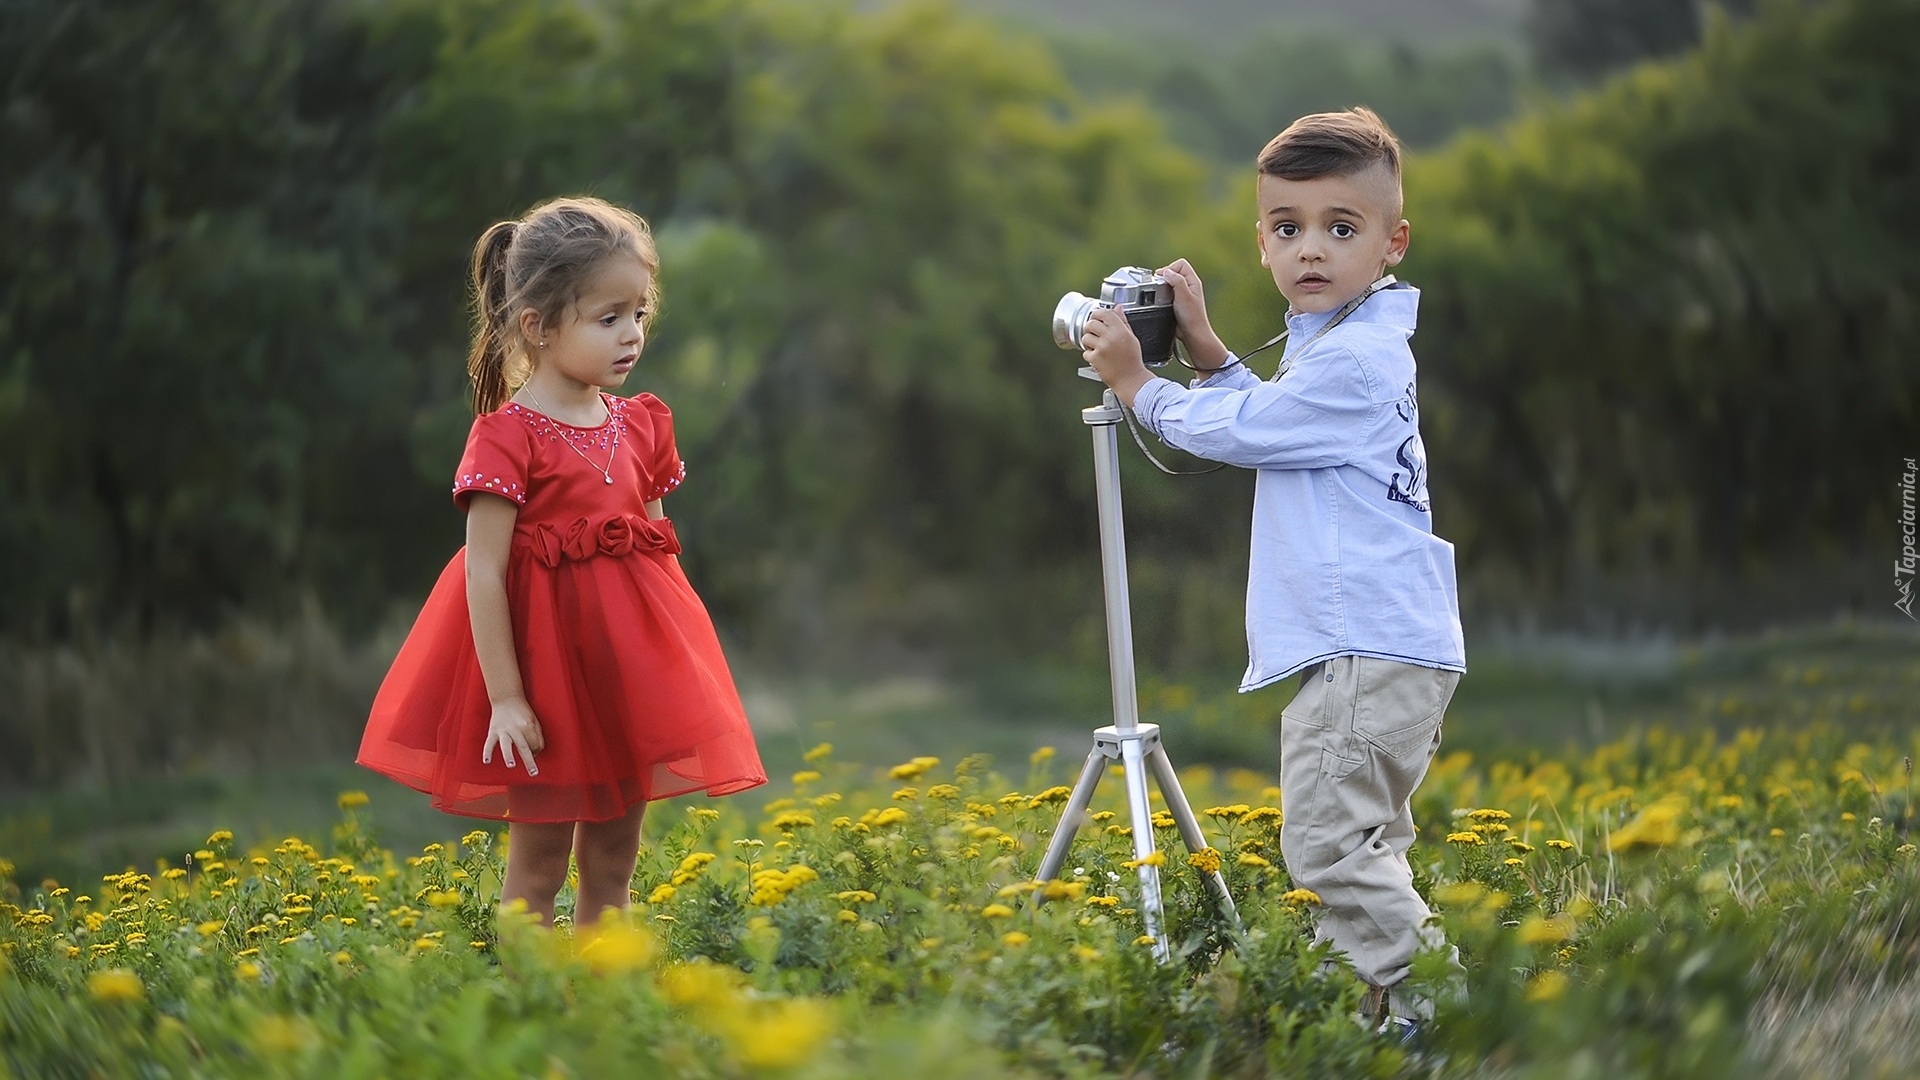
[{"x": 1070, "y": 319}]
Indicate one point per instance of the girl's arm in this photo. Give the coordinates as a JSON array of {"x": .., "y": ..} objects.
[{"x": 513, "y": 727}]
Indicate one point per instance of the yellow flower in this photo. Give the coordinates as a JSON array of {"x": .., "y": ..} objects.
[
  {"x": 115, "y": 984},
  {"x": 779, "y": 1034},
  {"x": 943, "y": 792},
  {"x": 1248, "y": 858},
  {"x": 615, "y": 946},
  {"x": 846, "y": 916},
  {"x": 1014, "y": 939},
  {"x": 1058, "y": 793},
  {"x": 819, "y": 752},
  {"x": 913, "y": 769},
  {"x": 1547, "y": 986},
  {"x": 906, "y": 794},
  {"x": 701, "y": 983},
  {"x": 220, "y": 836},
  {"x": 280, "y": 1035},
  {"x": 1206, "y": 860},
  {"x": 805, "y": 776},
  {"x": 793, "y": 819},
  {"x": 1237, "y": 810},
  {"x": 1466, "y": 839},
  {"x": 996, "y": 911},
  {"x": 1656, "y": 826},
  {"x": 247, "y": 970},
  {"x": 1086, "y": 953},
  {"x": 1044, "y": 753},
  {"x": 1299, "y": 896},
  {"x": 1153, "y": 858},
  {"x": 1063, "y": 890},
  {"x": 352, "y": 800},
  {"x": 441, "y": 899},
  {"x": 1489, "y": 815},
  {"x": 1103, "y": 901},
  {"x": 854, "y": 896},
  {"x": 1560, "y": 845},
  {"x": 1459, "y": 893},
  {"x": 892, "y": 815},
  {"x": 1535, "y": 930},
  {"x": 660, "y": 894}
]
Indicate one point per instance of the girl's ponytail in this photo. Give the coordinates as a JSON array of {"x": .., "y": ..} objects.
[{"x": 493, "y": 331}]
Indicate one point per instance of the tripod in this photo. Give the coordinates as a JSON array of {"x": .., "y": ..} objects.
[{"x": 1135, "y": 745}]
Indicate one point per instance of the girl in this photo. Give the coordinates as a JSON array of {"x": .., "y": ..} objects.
[{"x": 563, "y": 672}]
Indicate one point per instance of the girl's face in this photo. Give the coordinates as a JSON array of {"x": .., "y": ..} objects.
[{"x": 598, "y": 340}]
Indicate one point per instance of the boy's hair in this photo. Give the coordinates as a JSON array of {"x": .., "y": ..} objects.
[
  {"x": 1332, "y": 144},
  {"x": 543, "y": 261}
]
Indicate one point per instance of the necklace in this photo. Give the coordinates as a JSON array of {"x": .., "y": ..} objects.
[{"x": 606, "y": 473}]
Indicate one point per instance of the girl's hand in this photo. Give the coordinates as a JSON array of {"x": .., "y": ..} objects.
[
  {"x": 1195, "y": 331},
  {"x": 513, "y": 727}
]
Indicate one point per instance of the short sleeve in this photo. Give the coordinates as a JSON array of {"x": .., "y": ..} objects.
[
  {"x": 665, "y": 470},
  {"x": 499, "y": 452}
]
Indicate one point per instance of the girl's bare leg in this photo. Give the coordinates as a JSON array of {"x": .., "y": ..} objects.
[
  {"x": 606, "y": 852},
  {"x": 536, "y": 866}
]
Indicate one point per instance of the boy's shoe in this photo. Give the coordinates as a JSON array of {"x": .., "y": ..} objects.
[{"x": 1401, "y": 1032}]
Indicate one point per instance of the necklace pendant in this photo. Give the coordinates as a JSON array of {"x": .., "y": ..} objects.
[{"x": 609, "y": 479}]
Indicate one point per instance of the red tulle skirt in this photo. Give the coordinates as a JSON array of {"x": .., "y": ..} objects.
[{"x": 621, "y": 667}]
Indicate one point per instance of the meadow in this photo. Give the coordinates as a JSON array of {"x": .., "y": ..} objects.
[{"x": 1724, "y": 888}]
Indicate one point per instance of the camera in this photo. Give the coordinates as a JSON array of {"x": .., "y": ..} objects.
[{"x": 1143, "y": 296}]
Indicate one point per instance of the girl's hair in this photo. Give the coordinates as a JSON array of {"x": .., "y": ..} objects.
[{"x": 543, "y": 261}]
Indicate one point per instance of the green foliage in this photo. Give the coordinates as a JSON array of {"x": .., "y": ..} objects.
[{"x": 1650, "y": 909}]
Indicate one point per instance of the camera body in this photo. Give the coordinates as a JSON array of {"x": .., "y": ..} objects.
[{"x": 1143, "y": 296}]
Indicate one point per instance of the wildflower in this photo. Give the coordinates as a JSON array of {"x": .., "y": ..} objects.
[
  {"x": 805, "y": 776},
  {"x": 1063, "y": 890},
  {"x": 1248, "y": 858},
  {"x": 779, "y": 1034},
  {"x": 1152, "y": 858},
  {"x": 1263, "y": 813},
  {"x": 247, "y": 970},
  {"x": 220, "y": 836},
  {"x": 615, "y": 947},
  {"x": 1014, "y": 939},
  {"x": 1489, "y": 815},
  {"x": 1656, "y": 826},
  {"x": 906, "y": 794},
  {"x": 847, "y": 916},
  {"x": 352, "y": 800},
  {"x": 174, "y": 874},
  {"x": 1146, "y": 939},
  {"x": 1519, "y": 845},
  {"x": 892, "y": 815},
  {"x": 1103, "y": 901},
  {"x": 1059, "y": 793},
  {"x": 1237, "y": 810},
  {"x": 1459, "y": 894},
  {"x": 793, "y": 819},
  {"x": 660, "y": 894},
  {"x": 1560, "y": 845},
  {"x": 1086, "y": 953},
  {"x": 701, "y": 983},
  {"x": 115, "y": 984},
  {"x": 913, "y": 769},
  {"x": 1905, "y": 849},
  {"x": 855, "y": 896},
  {"x": 943, "y": 792},
  {"x": 1729, "y": 802},
  {"x": 279, "y": 1035},
  {"x": 1547, "y": 986},
  {"x": 996, "y": 911},
  {"x": 440, "y": 899},
  {"x": 1466, "y": 839},
  {"x": 1514, "y": 861},
  {"x": 1300, "y": 896},
  {"x": 1535, "y": 930},
  {"x": 1044, "y": 753}
]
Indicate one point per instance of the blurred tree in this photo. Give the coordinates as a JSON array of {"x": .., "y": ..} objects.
[{"x": 1582, "y": 40}]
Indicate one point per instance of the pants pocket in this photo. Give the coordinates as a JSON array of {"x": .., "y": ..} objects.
[{"x": 1399, "y": 707}]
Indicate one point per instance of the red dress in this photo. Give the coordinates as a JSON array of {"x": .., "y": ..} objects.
[{"x": 618, "y": 656}]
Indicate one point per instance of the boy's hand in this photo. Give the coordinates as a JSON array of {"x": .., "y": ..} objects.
[
  {"x": 1114, "y": 352},
  {"x": 1204, "y": 347},
  {"x": 511, "y": 728}
]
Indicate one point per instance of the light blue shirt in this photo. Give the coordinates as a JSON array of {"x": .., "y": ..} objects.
[{"x": 1345, "y": 562}]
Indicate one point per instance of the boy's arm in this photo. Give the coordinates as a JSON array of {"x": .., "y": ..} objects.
[{"x": 1314, "y": 418}]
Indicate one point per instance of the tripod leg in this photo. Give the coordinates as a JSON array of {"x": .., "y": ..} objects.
[
  {"x": 1070, "y": 817},
  {"x": 1189, "y": 827},
  {"x": 1151, "y": 909}
]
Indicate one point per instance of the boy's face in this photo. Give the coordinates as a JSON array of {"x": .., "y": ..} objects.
[{"x": 1325, "y": 240}]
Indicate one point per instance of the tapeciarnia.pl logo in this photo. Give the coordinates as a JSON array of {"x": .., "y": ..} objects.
[{"x": 1904, "y": 565}]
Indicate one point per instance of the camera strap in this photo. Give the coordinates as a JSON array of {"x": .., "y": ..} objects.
[{"x": 1286, "y": 362}]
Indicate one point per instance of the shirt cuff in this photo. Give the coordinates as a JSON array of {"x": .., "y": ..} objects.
[{"x": 1152, "y": 399}]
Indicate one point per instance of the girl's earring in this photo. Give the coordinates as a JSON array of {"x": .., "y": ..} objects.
[{"x": 543, "y": 343}]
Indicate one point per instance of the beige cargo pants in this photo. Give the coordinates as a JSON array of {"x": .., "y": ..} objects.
[{"x": 1354, "y": 743}]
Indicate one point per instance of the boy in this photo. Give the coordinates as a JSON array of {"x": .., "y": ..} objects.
[{"x": 1347, "y": 584}]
